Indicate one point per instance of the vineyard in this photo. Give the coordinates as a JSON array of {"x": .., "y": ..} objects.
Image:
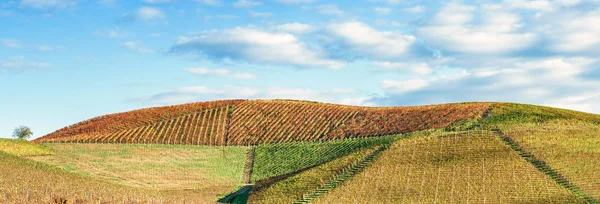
[
  {"x": 473, "y": 167},
  {"x": 284, "y": 151},
  {"x": 253, "y": 122}
]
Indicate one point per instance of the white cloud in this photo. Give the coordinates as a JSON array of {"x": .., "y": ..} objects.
[
  {"x": 47, "y": 4},
  {"x": 249, "y": 44},
  {"x": 20, "y": 63},
  {"x": 136, "y": 46},
  {"x": 417, "y": 68},
  {"x": 401, "y": 87},
  {"x": 259, "y": 14},
  {"x": 189, "y": 94},
  {"x": 150, "y": 13},
  {"x": 209, "y": 2},
  {"x": 246, "y": 3},
  {"x": 113, "y": 33},
  {"x": 47, "y": 48},
  {"x": 382, "y": 10},
  {"x": 541, "y": 5},
  {"x": 498, "y": 33},
  {"x": 156, "y": 1},
  {"x": 376, "y": 44},
  {"x": 329, "y": 9},
  {"x": 572, "y": 32},
  {"x": 295, "y": 27},
  {"x": 10, "y": 43},
  {"x": 555, "y": 81},
  {"x": 415, "y": 9},
  {"x": 360, "y": 101},
  {"x": 294, "y": 1},
  {"x": 220, "y": 73}
]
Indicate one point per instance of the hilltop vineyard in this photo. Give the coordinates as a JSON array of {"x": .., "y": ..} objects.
[{"x": 253, "y": 122}]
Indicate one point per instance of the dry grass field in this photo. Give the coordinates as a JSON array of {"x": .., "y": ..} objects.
[{"x": 473, "y": 167}]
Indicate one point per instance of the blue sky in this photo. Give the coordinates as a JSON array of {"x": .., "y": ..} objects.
[{"x": 63, "y": 61}]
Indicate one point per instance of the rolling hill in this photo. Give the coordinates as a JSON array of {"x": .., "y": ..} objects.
[
  {"x": 252, "y": 122},
  {"x": 286, "y": 151}
]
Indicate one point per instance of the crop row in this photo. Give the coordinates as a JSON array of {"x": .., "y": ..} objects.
[
  {"x": 116, "y": 122},
  {"x": 257, "y": 122},
  {"x": 277, "y": 121},
  {"x": 199, "y": 128},
  {"x": 459, "y": 168}
]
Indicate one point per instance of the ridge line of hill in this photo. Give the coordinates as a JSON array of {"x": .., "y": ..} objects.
[{"x": 252, "y": 122}]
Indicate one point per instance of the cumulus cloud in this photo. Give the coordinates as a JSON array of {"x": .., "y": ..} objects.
[
  {"x": 145, "y": 13},
  {"x": 220, "y": 73},
  {"x": 150, "y": 13},
  {"x": 197, "y": 93},
  {"x": 295, "y": 27},
  {"x": 415, "y": 9},
  {"x": 253, "y": 45},
  {"x": 136, "y": 46},
  {"x": 19, "y": 64},
  {"x": 360, "y": 37},
  {"x": 538, "y": 81},
  {"x": 499, "y": 32},
  {"x": 47, "y": 4},
  {"x": 330, "y": 9},
  {"x": 246, "y": 3},
  {"x": 572, "y": 31}
]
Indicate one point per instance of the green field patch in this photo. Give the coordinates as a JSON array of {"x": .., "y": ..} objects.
[
  {"x": 23, "y": 148},
  {"x": 277, "y": 159},
  {"x": 153, "y": 166},
  {"x": 297, "y": 186}
]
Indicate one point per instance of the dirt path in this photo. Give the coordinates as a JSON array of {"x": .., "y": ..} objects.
[{"x": 249, "y": 166}]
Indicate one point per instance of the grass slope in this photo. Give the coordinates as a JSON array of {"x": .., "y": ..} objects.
[
  {"x": 277, "y": 159},
  {"x": 26, "y": 181},
  {"x": 23, "y": 148},
  {"x": 567, "y": 141},
  {"x": 464, "y": 167},
  {"x": 297, "y": 186},
  {"x": 208, "y": 171}
]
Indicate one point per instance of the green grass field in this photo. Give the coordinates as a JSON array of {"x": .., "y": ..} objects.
[
  {"x": 23, "y": 148},
  {"x": 205, "y": 170},
  {"x": 294, "y": 187},
  {"x": 276, "y": 159},
  {"x": 461, "y": 168}
]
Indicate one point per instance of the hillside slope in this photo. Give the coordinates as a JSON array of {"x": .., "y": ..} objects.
[{"x": 251, "y": 122}]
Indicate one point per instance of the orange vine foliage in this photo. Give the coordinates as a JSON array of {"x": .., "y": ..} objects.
[{"x": 242, "y": 122}]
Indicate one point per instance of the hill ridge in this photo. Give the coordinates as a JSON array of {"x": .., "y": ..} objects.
[{"x": 251, "y": 122}]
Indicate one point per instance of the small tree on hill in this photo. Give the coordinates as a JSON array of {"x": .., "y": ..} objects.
[{"x": 22, "y": 132}]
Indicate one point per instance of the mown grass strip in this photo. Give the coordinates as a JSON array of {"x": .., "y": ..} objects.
[
  {"x": 340, "y": 178},
  {"x": 542, "y": 166}
]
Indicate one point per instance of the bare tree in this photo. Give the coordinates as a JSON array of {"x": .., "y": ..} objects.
[{"x": 22, "y": 132}]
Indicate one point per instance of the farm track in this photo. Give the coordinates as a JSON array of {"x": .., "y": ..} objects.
[
  {"x": 249, "y": 166},
  {"x": 543, "y": 167},
  {"x": 339, "y": 179}
]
